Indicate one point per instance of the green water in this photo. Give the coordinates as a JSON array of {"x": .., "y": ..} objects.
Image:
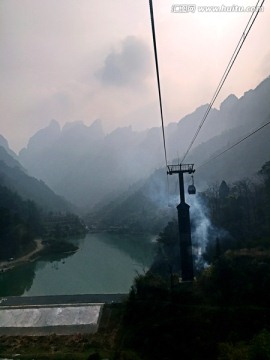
[{"x": 104, "y": 263}]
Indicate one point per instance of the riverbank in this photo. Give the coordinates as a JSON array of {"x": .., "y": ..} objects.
[
  {"x": 31, "y": 256},
  {"x": 102, "y": 264}
]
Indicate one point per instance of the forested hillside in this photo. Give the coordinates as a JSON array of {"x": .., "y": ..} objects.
[
  {"x": 224, "y": 314},
  {"x": 14, "y": 177},
  {"x": 20, "y": 224},
  {"x": 29, "y": 209},
  {"x": 141, "y": 209}
]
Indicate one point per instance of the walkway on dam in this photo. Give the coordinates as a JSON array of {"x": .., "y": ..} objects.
[
  {"x": 61, "y": 299},
  {"x": 63, "y": 314}
]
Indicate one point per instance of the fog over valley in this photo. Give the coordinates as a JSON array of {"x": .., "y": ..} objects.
[
  {"x": 134, "y": 180},
  {"x": 86, "y": 166}
]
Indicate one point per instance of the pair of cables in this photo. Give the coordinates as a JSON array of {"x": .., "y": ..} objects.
[
  {"x": 240, "y": 43},
  {"x": 234, "y": 145},
  {"x": 245, "y": 33}
]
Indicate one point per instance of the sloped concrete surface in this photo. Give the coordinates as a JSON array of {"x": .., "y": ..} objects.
[
  {"x": 51, "y": 316},
  {"x": 53, "y": 319}
]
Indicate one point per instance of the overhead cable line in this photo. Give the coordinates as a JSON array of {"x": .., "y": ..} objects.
[
  {"x": 232, "y": 146},
  {"x": 244, "y": 35},
  {"x": 158, "y": 80},
  {"x": 159, "y": 91}
]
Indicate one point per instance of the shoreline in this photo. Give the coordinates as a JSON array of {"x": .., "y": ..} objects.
[{"x": 9, "y": 265}]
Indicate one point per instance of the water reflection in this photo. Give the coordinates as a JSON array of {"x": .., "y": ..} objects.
[
  {"x": 53, "y": 259},
  {"x": 140, "y": 248},
  {"x": 104, "y": 263},
  {"x": 16, "y": 281}
]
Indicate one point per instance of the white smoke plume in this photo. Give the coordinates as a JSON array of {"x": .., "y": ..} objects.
[{"x": 202, "y": 230}]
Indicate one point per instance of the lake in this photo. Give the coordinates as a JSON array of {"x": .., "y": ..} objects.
[{"x": 103, "y": 264}]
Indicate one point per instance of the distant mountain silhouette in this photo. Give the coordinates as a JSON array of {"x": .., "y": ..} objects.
[
  {"x": 9, "y": 159},
  {"x": 143, "y": 208},
  {"x": 14, "y": 177},
  {"x": 4, "y": 144},
  {"x": 86, "y": 166},
  {"x": 148, "y": 206}
]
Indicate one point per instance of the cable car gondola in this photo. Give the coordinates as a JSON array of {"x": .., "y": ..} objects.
[{"x": 191, "y": 188}]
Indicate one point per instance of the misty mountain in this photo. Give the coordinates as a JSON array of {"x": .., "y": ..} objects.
[
  {"x": 87, "y": 166},
  {"x": 4, "y": 144},
  {"x": 141, "y": 209},
  {"x": 13, "y": 177},
  {"x": 8, "y": 159},
  {"x": 240, "y": 115},
  {"x": 242, "y": 161},
  {"x": 149, "y": 206}
]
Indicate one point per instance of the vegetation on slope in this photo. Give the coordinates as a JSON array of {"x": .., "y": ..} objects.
[
  {"x": 20, "y": 223},
  {"x": 224, "y": 314}
]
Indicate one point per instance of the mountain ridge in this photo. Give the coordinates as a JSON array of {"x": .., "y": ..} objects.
[
  {"x": 85, "y": 165},
  {"x": 15, "y": 178}
]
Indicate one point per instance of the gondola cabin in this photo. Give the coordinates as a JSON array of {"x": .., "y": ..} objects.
[{"x": 192, "y": 190}]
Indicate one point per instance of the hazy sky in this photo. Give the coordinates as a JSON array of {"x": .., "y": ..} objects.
[{"x": 75, "y": 60}]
